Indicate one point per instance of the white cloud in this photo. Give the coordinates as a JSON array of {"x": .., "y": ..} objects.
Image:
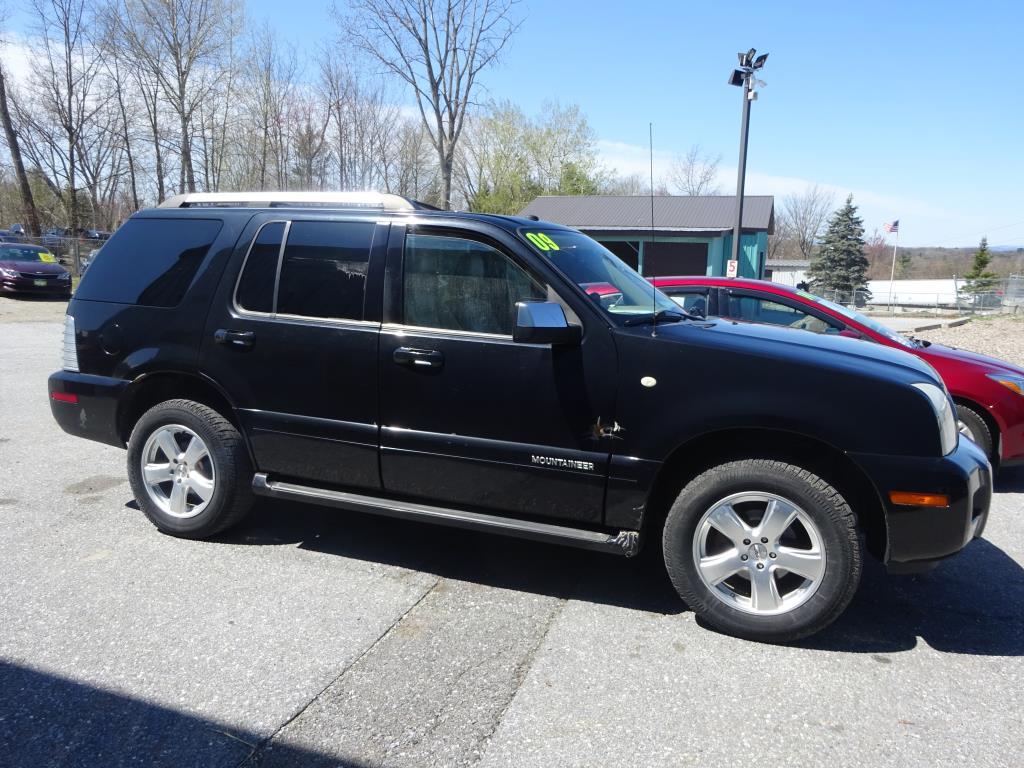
[
  {"x": 17, "y": 57},
  {"x": 921, "y": 222}
]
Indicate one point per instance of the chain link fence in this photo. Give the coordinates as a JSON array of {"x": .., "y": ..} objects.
[
  {"x": 936, "y": 297},
  {"x": 73, "y": 253}
]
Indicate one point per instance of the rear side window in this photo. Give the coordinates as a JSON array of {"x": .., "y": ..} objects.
[
  {"x": 323, "y": 269},
  {"x": 256, "y": 286},
  {"x": 149, "y": 262}
]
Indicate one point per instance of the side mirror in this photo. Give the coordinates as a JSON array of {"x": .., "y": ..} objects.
[{"x": 543, "y": 322}]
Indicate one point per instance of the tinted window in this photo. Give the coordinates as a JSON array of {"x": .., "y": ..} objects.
[
  {"x": 765, "y": 311},
  {"x": 463, "y": 285},
  {"x": 323, "y": 273},
  {"x": 256, "y": 286},
  {"x": 149, "y": 261}
]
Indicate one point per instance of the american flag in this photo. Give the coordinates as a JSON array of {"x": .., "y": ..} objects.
[{"x": 894, "y": 227}]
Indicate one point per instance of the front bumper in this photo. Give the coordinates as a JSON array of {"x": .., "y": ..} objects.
[
  {"x": 94, "y": 414},
  {"x": 28, "y": 286},
  {"x": 918, "y": 537}
]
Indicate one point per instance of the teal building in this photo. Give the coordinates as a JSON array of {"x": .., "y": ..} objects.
[{"x": 691, "y": 235}]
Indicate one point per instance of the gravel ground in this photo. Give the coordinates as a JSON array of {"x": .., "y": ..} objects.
[
  {"x": 1001, "y": 337},
  {"x": 308, "y": 636},
  {"x": 29, "y": 309}
]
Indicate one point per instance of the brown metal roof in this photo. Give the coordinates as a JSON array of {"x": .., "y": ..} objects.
[{"x": 676, "y": 213}]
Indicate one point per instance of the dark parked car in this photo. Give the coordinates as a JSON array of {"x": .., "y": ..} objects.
[
  {"x": 32, "y": 269},
  {"x": 368, "y": 354},
  {"x": 989, "y": 393}
]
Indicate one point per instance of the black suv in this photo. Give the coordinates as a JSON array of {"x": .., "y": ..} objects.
[{"x": 366, "y": 353}]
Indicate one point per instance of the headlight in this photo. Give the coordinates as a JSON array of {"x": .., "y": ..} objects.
[
  {"x": 1016, "y": 383},
  {"x": 65, "y": 276},
  {"x": 8, "y": 272},
  {"x": 943, "y": 407}
]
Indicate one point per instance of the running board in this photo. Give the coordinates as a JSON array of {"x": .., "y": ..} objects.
[{"x": 623, "y": 543}]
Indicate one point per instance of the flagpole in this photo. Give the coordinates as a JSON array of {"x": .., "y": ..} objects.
[{"x": 892, "y": 275}]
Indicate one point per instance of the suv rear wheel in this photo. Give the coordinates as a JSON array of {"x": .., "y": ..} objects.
[
  {"x": 189, "y": 469},
  {"x": 763, "y": 550}
]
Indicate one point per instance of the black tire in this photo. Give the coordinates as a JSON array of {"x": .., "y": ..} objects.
[
  {"x": 232, "y": 490},
  {"x": 980, "y": 432},
  {"x": 826, "y": 509}
]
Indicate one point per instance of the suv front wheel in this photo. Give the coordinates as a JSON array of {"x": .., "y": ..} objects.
[
  {"x": 189, "y": 469},
  {"x": 763, "y": 550}
]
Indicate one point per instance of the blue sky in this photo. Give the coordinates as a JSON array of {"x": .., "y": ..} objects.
[{"x": 910, "y": 105}]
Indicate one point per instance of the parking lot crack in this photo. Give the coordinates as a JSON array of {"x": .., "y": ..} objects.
[
  {"x": 253, "y": 757},
  {"x": 519, "y": 676}
]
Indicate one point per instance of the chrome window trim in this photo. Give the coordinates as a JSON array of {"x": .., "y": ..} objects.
[
  {"x": 280, "y": 261},
  {"x": 402, "y": 328},
  {"x": 397, "y": 329}
]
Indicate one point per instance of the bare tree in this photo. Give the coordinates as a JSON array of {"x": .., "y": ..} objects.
[
  {"x": 63, "y": 101},
  {"x": 695, "y": 173},
  {"x": 181, "y": 44},
  {"x": 439, "y": 48},
  {"x": 28, "y": 203},
  {"x": 802, "y": 217}
]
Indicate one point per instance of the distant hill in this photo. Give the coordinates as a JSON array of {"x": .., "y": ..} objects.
[{"x": 933, "y": 262}]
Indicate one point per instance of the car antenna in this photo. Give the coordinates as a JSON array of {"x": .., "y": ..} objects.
[{"x": 654, "y": 289}]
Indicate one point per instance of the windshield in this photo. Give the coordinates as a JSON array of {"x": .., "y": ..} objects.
[
  {"x": 870, "y": 322},
  {"x": 26, "y": 254},
  {"x": 610, "y": 283}
]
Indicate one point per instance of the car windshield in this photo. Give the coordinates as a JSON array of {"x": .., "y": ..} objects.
[
  {"x": 26, "y": 254},
  {"x": 609, "y": 282},
  {"x": 870, "y": 322}
]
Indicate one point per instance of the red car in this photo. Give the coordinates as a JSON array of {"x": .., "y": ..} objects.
[{"x": 989, "y": 393}]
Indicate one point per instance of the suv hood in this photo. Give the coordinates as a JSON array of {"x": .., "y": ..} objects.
[
  {"x": 786, "y": 343},
  {"x": 33, "y": 267},
  {"x": 988, "y": 364}
]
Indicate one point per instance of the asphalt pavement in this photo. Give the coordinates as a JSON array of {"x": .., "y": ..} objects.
[{"x": 310, "y": 636}]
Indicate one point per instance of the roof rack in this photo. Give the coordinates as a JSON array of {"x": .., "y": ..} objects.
[{"x": 375, "y": 200}]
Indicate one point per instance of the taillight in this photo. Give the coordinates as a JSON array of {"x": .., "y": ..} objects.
[{"x": 70, "y": 353}]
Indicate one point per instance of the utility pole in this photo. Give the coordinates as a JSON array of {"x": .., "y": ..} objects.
[{"x": 744, "y": 78}]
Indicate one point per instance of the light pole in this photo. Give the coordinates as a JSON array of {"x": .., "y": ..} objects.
[{"x": 743, "y": 77}]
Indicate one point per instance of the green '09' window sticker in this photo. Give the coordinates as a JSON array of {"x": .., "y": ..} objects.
[{"x": 542, "y": 241}]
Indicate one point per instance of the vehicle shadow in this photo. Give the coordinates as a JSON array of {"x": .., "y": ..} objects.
[
  {"x": 1009, "y": 480},
  {"x": 54, "y": 721},
  {"x": 488, "y": 559},
  {"x": 973, "y": 604}
]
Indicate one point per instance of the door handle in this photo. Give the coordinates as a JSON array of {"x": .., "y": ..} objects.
[
  {"x": 418, "y": 358},
  {"x": 234, "y": 338}
]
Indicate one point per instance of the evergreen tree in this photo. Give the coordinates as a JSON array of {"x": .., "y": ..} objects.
[
  {"x": 979, "y": 278},
  {"x": 841, "y": 268}
]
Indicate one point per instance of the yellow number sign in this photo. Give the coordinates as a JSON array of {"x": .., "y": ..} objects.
[
  {"x": 48, "y": 257},
  {"x": 542, "y": 241}
]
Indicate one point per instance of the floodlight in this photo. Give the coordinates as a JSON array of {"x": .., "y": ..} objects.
[
  {"x": 737, "y": 77},
  {"x": 749, "y": 57},
  {"x": 760, "y": 61}
]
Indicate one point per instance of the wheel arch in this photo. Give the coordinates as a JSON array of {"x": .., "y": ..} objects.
[
  {"x": 828, "y": 462},
  {"x": 152, "y": 388},
  {"x": 986, "y": 415}
]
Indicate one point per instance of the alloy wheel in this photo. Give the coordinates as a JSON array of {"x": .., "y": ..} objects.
[{"x": 759, "y": 553}]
